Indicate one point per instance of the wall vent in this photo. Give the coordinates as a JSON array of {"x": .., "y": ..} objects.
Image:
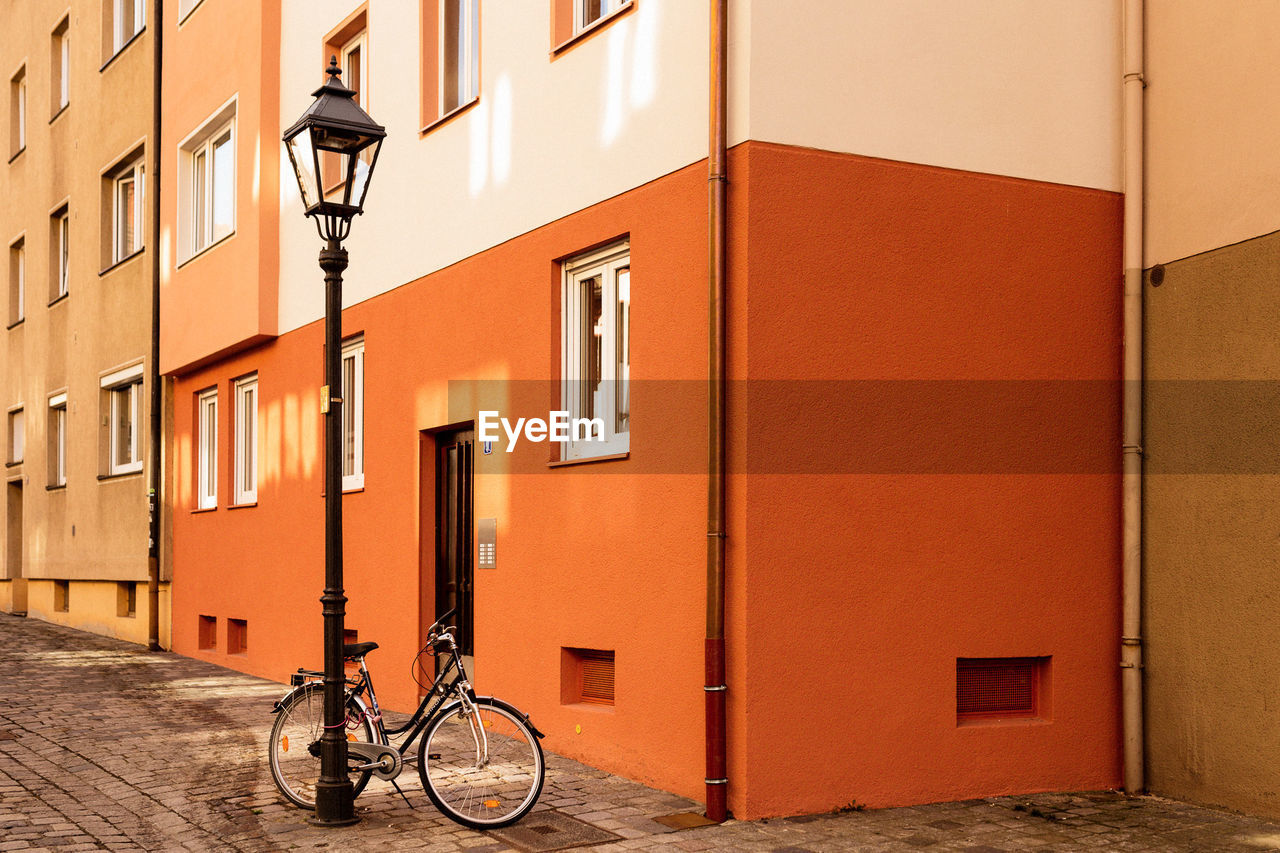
[
  {"x": 1000, "y": 688},
  {"x": 237, "y": 636},
  {"x": 62, "y": 596},
  {"x": 586, "y": 675},
  {"x": 207, "y": 632}
]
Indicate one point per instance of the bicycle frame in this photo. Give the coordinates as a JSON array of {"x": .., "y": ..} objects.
[{"x": 441, "y": 690}]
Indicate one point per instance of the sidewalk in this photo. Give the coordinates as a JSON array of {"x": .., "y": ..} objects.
[{"x": 106, "y": 747}]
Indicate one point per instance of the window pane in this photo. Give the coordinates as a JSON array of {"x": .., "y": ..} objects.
[
  {"x": 473, "y": 87},
  {"x": 348, "y": 415},
  {"x": 20, "y": 310},
  {"x": 124, "y": 217},
  {"x": 64, "y": 246},
  {"x": 22, "y": 114},
  {"x": 223, "y": 187},
  {"x": 60, "y": 431},
  {"x": 122, "y": 417},
  {"x": 64, "y": 71},
  {"x": 452, "y": 76},
  {"x": 591, "y": 10},
  {"x": 198, "y": 181},
  {"x": 353, "y": 72},
  {"x": 622, "y": 372},
  {"x": 17, "y": 435},
  {"x": 592, "y": 333}
]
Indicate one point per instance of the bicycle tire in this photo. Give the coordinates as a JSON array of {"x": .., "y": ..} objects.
[
  {"x": 496, "y": 795},
  {"x": 295, "y": 765}
]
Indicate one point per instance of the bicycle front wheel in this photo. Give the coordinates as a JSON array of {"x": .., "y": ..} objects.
[
  {"x": 295, "y": 744},
  {"x": 483, "y": 770}
]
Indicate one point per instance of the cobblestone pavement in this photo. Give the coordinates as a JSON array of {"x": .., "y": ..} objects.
[{"x": 104, "y": 746}]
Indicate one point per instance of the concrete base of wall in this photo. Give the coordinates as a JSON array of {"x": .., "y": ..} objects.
[{"x": 99, "y": 607}]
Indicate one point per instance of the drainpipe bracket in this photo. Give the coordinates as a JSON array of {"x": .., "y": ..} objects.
[
  {"x": 717, "y": 781},
  {"x": 716, "y": 688},
  {"x": 1133, "y": 448}
]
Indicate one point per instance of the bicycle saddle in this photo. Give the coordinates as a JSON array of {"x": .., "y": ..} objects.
[{"x": 351, "y": 651}]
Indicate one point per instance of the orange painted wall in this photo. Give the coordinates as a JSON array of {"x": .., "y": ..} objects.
[
  {"x": 225, "y": 298},
  {"x": 850, "y": 595},
  {"x": 599, "y": 556},
  {"x": 863, "y": 587}
]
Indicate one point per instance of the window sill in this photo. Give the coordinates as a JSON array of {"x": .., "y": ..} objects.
[
  {"x": 58, "y": 488},
  {"x": 352, "y": 490},
  {"x": 121, "y": 262},
  {"x": 120, "y": 475},
  {"x": 13, "y": 464},
  {"x": 16, "y": 323},
  {"x": 17, "y": 153},
  {"x": 987, "y": 722},
  {"x": 215, "y": 244},
  {"x": 62, "y": 109},
  {"x": 591, "y": 30},
  {"x": 204, "y": 509},
  {"x": 57, "y": 299},
  {"x": 122, "y": 49},
  {"x": 243, "y": 506},
  {"x": 449, "y": 116},
  {"x": 586, "y": 460}
]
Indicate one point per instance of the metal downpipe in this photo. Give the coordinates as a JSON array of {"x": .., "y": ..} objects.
[
  {"x": 1131, "y": 477},
  {"x": 715, "y": 689}
]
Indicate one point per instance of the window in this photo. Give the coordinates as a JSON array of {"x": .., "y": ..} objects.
[
  {"x": 186, "y": 7},
  {"x": 127, "y": 222},
  {"x": 237, "y": 636},
  {"x": 17, "y": 281},
  {"x": 207, "y": 449},
  {"x": 571, "y": 18},
  {"x": 994, "y": 689},
  {"x": 122, "y": 410},
  {"x": 349, "y": 42},
  {"x": 17, "y": 436},
  {"x": 207, "y": 632},
  {"x": 18, "y": 112},
  {"x": 61, "y": 65},
  {"x": 127, "y": 20},
  {"x": 353, "y": 414},
  {"x": 60, "y": 248},
  {"x": 450, "y": 56},
  {"x": 596, "y": 358},
  {"x": 57, "y": 440},
  {"x": 246, "y": 450},
  {"x": 587, "y": 12},
  {"x": 207, "y": 184},
  {"x": 127, "y": 599},
  {"x": 586, "y": 676}
]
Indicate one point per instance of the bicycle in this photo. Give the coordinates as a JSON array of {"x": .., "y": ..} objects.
[{"x": 479, "y": 758}]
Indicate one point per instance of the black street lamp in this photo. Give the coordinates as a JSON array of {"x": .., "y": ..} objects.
[{"x": 333, "y": 148}]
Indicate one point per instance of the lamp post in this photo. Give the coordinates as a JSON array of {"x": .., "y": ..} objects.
[{"x": 333, "y": 146}]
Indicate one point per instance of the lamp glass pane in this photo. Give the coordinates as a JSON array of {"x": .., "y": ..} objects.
[
  {"x": 304, "y": 167},
  {"x": 364, "y": 168}
]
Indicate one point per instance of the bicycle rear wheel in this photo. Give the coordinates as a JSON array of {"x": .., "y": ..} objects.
[
  {"x": 475, "y": 792},
  {"x": 295, "y": 744}
]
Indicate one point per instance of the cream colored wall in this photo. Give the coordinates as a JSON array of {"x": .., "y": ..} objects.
[
  {"x": 92, "y": 529},
  {"x": 1213, "y": 167},
  {"x": 547, "y": 137},
  {"x": 94, "y": 606},
  {"x": 1007, "y": 87}
]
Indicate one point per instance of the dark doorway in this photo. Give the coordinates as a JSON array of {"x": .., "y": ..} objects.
[{"x": 454, "y": 575}]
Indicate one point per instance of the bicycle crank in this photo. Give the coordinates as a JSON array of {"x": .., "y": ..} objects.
[{"x": 381, "y": 760}]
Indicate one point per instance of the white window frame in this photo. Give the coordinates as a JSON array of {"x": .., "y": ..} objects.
[
  {"x": 124, "y": 391},
  {"x": 609, "y": 263},
  {"x": 361, "y": 42},
  {"x": 468, "y": 55},
  {"x": 120, "y": 37},
  {"x": 246, "y": 445},
  {"x": 17, "y": 439},
  {"x": 133, "y": 173},
  {"x": 607, "y": 8},
  {"x": 64, "y": 253},
  {"x": 58, "y": 432},
  {"x": 20, "y": 312},
  {"x": 353, "y": 414},
  {"x": 207, "y": 449},
  {"x": 196, "y": 191},
  {"x": 64, "y": 64},
  {"x": 22, "y": 110}
]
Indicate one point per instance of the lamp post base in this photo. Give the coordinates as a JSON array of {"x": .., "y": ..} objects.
[{"x": 335, "y": 804}]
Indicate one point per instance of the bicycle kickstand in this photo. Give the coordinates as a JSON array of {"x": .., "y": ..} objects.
[{"x": 400, "y": 792}]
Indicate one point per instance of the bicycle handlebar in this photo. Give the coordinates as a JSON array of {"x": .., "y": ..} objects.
[{"x": 439, "y": 623}]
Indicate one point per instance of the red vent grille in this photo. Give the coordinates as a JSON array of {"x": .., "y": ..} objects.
[
  {"x": 998, "y": 687},
  {"x": 587, "y": 676}
]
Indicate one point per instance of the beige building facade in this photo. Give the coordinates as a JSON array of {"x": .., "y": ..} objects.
[
  {"x": 75, "y": 375},
  {"x": 1212, "y": 566}
]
